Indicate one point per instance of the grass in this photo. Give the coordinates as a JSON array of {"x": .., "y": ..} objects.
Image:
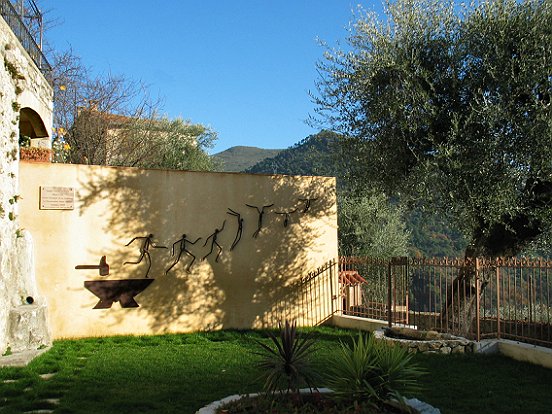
[
  {"x": 485, "y": 384},
  {"x": 181, "y": 373}
]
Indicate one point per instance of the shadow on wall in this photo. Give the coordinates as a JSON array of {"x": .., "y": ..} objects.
[{"x": 255, "y": 238}]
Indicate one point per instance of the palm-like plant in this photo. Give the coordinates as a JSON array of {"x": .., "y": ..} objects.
[
  {"x": 370, "y": 370},
  {"x": 286, "y": 367},
  {"x": 398, "y": 373}
]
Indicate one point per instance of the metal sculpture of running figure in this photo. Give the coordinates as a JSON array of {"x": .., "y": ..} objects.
[
  {"x": 240, "y": 227},
  {"x": 214, "y": 243},
  {"x": 286, "y": 215},
  {"x": 308, "y": 203},
  {"x": 261, "y": 212},
  {"x": 182, "y": 249},
  {"x": 144, "y": 250}
]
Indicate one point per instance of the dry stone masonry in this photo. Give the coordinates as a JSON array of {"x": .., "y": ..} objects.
[{"x": 441, "y": 344}]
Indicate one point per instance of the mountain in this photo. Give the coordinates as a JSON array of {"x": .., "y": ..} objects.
[
  {"x": 237, "y": 159},
  {"x": 313, "y": 155}
]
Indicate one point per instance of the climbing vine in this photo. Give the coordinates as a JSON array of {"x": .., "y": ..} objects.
[{"x": 11, "y": 146}]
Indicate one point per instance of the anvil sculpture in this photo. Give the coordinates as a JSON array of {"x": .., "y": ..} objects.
[
  {"x": 103, "y": 267},
  {"x": 122, "y": 291}
]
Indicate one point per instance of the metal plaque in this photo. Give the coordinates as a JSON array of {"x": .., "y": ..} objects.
[{"x": 57, "y": 198}]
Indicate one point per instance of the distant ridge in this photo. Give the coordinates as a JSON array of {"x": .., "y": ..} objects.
[
  {"x": 314, "y": 155},
  {"x": 240, "y": 158}
]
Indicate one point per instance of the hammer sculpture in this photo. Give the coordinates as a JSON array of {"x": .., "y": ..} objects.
[{"x": 103, "y": 267}]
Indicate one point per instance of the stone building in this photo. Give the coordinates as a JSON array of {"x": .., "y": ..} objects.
[{"x": 26, "y": 108}]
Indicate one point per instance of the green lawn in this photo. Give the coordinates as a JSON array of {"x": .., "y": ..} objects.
[{"x": 181, "y": 373}]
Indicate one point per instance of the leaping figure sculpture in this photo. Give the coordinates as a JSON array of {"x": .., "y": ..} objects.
[
  {"x": 240, "y": 227},
  {"x": 214, "y": 242},
  {"x": 261, "y": 212}
]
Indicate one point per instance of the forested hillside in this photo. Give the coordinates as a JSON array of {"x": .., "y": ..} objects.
[
  {"x": 431, "y": 235},
  {"x": 313, "y": 155}
]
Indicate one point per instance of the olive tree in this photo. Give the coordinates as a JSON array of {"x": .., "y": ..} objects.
[
  {"x": 370, "y": 225},
  {"x": 450, "y": 107}
]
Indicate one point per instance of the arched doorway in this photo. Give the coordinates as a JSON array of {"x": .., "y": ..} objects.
[
  {"x": 34, "y": 141},
  {"x": 31, "y": 124}
]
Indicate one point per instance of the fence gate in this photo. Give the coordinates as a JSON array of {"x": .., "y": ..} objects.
[{"x": 398, "y": 291}]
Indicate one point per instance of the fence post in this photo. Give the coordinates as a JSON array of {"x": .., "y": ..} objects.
[
  {"x": 497, "y": 301},
  {"x": 389, "y": 295},
  {"x": 407, "y": 291},
  {"x": 477, "y": 299},
  {"x": 332, "y": 275}
]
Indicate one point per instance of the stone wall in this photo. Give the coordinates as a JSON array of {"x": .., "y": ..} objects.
[
  {"x": 21, "y": 85},
  {"x": 449, "y": 344},
  {"x": 32, "y": 88}
]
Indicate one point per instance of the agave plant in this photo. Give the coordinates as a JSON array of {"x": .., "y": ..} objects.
[
  {"x": 399, "y": 374},
  {"x": 370, "y": 370},
  {"x": 286, "y": 366}
]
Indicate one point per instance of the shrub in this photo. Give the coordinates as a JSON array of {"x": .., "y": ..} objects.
[
  {"x": 61, "y": 150},
  {"x": 371, "y": 370},
  {"x": 24, "y": 141},
  {"x": 287, "y": 366}
]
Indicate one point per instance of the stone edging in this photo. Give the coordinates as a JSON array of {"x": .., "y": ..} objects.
[
  {"x": 420, "y": 406},
  {"x": 21, "y": 359},
  {"x": 455, "y": 345}
]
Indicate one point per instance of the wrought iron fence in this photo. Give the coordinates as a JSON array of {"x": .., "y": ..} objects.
[
  {"x": 516, "y": 301},
  {"x": 308, "y": 300},
  {"x": 14, "y": 19},
  {"x": 316, "y": 299},
  {"x": 363, "y": 287},
  {"x": 502, "y": 298}
]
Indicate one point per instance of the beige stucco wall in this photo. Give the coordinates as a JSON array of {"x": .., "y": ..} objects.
[{"x": 248, "y": 287}]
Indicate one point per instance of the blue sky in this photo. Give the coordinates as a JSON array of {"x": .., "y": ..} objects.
[{"x": 242, "y": 67}]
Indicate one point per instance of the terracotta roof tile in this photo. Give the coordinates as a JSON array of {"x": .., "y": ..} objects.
[{"x": 350, "y": 278}]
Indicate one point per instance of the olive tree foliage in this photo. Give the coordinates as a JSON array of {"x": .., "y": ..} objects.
[
  {"x": 449, "y": 107},
  {"x": 110, "y": 119},
  {"x": 369, "y": 225}
]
